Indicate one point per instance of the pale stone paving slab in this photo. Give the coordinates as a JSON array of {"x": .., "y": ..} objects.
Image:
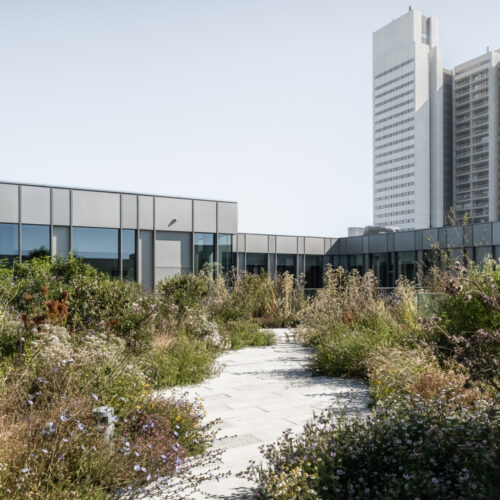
[{"x": 261, "y": 392}]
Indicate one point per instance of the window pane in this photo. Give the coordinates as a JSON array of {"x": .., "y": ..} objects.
[
  {"x": 35, "y": 241},
  {"x": 9, "y": 242},
  {"x": 226, "y": 257},
  {"x": 287, "y": 262},
  {"x": 314, "y": 271},
  {"x": 355, "y": 262},
  {"x": 256, "y": 262},
  {"x": 407, "y": 265},
  {"x": 98, "y": 247},
  {"x": 204, "y": 250},
  {"x": 128, "y": 254},
  {"x": 380, "y": 267}
]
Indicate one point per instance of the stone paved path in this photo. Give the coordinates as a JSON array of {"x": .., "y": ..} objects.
[{"x": 260, "y": 392}]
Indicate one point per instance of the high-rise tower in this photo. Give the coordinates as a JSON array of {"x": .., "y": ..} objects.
[
  {"x": 476, "y": 135},
  {"x": 412, "y": 159}
]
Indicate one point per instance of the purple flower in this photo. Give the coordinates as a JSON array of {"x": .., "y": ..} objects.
[
  {"x": 137, "y": 467},
  {"x": 64, "y": 418},
  {"x": 25, "y": 470},
  {"x": 81, "y": 426}
]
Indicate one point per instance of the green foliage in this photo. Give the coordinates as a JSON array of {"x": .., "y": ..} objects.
[
  {"x": 183, "y": 361},
  {"x": 468, "y": 306},
  {"x": 407, "y": 448},
  {"x": 247, "y": 334},
  {"x": 344, "y": 351}
]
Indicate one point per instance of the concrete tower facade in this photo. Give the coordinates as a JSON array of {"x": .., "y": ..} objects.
[
  {"x": 411, "y": 131},
  {"x": 476, "y": 136}
]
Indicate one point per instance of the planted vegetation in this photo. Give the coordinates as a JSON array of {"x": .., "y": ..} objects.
[
  {"x": 434, "y": 427},
  {"x": 72, "y": 340}
]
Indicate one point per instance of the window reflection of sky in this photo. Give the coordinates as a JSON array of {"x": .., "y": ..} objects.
[
  {"x": 35, "y": 238},
  {"x": 95, "y": 243}
]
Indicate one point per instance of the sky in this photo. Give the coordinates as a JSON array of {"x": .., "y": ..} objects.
[{"x": 263, "y": 102}]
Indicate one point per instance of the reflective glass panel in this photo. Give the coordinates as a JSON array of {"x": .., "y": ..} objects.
[
  {"x": 286, "y": 262},
  {"x": 380, "y": 267},
  {"x": 98, "y": 247},
  {"x": 35, "y": 241},
  {"x": 226, "y": 257},
  {"x": 407, "y": 265},
  {"x": 314, "y": 271},
  {"x": 204, "y": 250},
  {"x": 128, "y": 254},
  {"x": 9, "y": 242},
  {"x": 256, "y": 263},
  {"x": 355, "y": 262}
]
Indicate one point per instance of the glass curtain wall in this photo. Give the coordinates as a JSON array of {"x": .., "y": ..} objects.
[
  {"x": 256, "y": 263},
  {"x": 9, "y": 243},
  {"x": 380, "y": 267},
  {"x": 129, "y": 255},
  {"x": 407, "y": 265},
  {"x": 35, "y": 241},
  {"x": 287, "y": 263},
  {"x": 355, "y": 262},
  {"x": 204, "y": 250},
  {"x": 314, "y": 271},
  {"x": 225, "y": 257},
  {"x": 98, "y": 247}
]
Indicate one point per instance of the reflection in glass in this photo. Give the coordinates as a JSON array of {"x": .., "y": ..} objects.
[
  {"x": 256, "y": 263},
  {"x": 128, "y": 254},
  {"x": 9, "y": 242},
  {"x": 98, "y": 247},
  {"x": 380, "y": 267},
  {"x": 204, "y": 250},
  {"x": 355, "y": 262},
  {"x": 226, "y": 257},
  {"x": 35, "y": 241},
  {"x": 407, "y": 265},
  {"x": 314, "y": 271},
  {"x": 286, "y": 263}
]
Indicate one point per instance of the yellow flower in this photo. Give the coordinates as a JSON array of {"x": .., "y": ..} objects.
[
  {"x": 379, "y": 382},
  {"x": 138, "y": 407}
]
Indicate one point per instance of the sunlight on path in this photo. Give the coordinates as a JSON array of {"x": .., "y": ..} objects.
[{"x": 260, "y": 392}]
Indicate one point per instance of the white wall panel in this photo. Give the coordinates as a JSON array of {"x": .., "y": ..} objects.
[
  {"x": 174, "y": 214},
  {"x": 95, "y": 209},
  {"x": 9, "y": 203},
  {"x": 286, "y": 244},
  {"x": 129, "y": 211},
  {"x": 145, "y": 212},
  {"x": 227, "y": 217},
  {"x": 205, "y": 216},
  {"x": 60, "y": 207},
  {"x": 35, "y": 205},
  {"x": 256, "y": 243}
]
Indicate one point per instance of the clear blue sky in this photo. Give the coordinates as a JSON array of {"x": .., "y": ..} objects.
[{"x": 264, "y": 102}]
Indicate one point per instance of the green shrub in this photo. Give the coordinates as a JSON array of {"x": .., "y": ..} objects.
[
  {"x": 247, "y": 334},
  {"x": 468, "y": 305},
  {"x": 407, "y": 448},
  {"x": 183, "y": 361}
]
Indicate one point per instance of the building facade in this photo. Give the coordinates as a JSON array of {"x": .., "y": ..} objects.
[
  {"x": 411, "y": 137},
  {"x": 476, "y": 135},
  {"x": 147, "y": 238}
]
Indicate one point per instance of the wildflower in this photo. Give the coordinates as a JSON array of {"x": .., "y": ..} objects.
[
  {"x": 64, "y": 418},
  {"x": 25, "y": 470},
  {"x": 95, "y": 396},
  {"x": 137, "y": 467},
  {"x": 65, "y": 440},
  {"x": 45, "y": 451},
  {"x": 52, "y": 427},
  {"x": 61, "y": 457},
  {"x": 81, "y": 426}
]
